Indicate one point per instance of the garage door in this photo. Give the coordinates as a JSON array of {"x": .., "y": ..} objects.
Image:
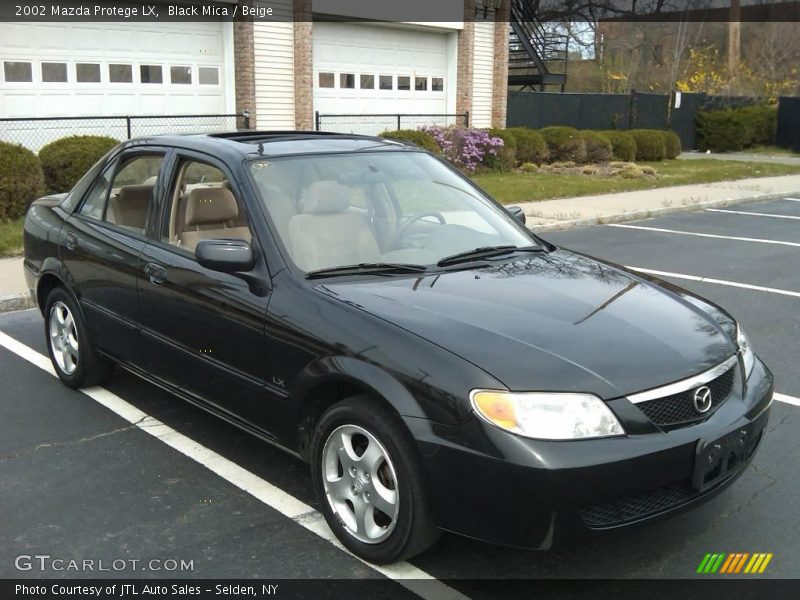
[
  {"x": 55, "y": 69},
  {"x": 368, "y": 69}
]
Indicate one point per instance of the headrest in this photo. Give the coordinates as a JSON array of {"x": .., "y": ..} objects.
[
  {"x": 131, "y": 204},
  {"x": 210, "y": 205},
  {"x": 325, "y": 197}
]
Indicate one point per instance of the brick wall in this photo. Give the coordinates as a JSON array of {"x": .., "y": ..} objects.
[
  {"x": 303, "y": 66},
  {"x": 500, "y": 95},
  {"x": 466, "y": 47},
  {"x": 244, "y": 65}
]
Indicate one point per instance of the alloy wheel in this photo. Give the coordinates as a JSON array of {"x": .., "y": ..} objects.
[{"x": 63, "y": 338}]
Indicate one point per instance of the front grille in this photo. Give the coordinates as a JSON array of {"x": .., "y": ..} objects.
[
  {"x": 678, "y": 410},
  {"x": 625, "y": 510}
]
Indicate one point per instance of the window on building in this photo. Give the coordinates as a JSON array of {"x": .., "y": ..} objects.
[
  {"x": 404, "y": 83},
  {"x": 87, "y": 72},
  {"x": 347, "y": 81},
  {"x": 421, "y": 84},
  {"x": 18, "y": 71},
  {"x": 180, "y": 75},
  {"x": 437, "y": 84},
  {"x": 54, "y": 72},
  {"x": 120, "y": 73},
  {"x": 151, "y": 73},
  {"x": 208, "y": 75},
  {"x": 367, "y": 82},
  {"x": 385, "y": 82},
  {"x": 327, "y": 80}
]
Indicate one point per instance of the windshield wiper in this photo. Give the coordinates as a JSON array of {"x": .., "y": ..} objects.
[
  {"x": 485, "y": 252},
  {"x": 367, "y": 268}
]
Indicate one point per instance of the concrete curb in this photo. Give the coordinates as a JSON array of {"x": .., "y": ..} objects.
[
  {"x": 12, "y": 302},
  {"x": 645, "y": 214}
]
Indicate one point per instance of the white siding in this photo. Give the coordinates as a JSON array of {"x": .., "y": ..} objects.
[
  {"x": 274, "y": 69},
  {"x": 483, "y": 74}
]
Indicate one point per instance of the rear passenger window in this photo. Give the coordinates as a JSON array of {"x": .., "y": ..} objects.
[
  {"x": 132, "y": 192},
  {"x": 203, "y": 206},
  {"x": 94, "y": 202}
]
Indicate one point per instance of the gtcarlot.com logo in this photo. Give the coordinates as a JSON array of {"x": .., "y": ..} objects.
[{"x": 734, "y": 563}]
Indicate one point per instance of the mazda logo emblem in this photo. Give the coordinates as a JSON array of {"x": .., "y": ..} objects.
[{"x": 702, "y": 399}]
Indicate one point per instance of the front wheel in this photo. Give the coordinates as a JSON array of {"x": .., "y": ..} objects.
[
  {"x": 368, "y": 480},
  {"x": 74, "y": 359}
]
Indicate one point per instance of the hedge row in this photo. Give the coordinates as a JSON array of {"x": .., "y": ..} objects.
[
  {"x": 564, "y": 144},
  {"x": 735, "y": 129},
  {"x": 25, "y": 176}
]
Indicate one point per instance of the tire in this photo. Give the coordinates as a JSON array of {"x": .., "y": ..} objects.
[
  {"x": 74, "y": 359},
  {"x": 362, "y": 424}
]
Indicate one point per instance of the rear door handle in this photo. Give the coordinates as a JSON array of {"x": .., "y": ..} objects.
[
  {"x": 156, "y": 273},
  {"x": 71, "y": 241}
]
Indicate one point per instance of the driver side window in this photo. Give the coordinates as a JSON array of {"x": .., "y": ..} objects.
[{"x": 203, "y": 206}]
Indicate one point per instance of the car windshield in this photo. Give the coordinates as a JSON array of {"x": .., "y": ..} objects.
[{"x": 399, "y": 209}]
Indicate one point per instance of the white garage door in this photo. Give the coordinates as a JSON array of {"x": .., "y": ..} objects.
[
  {"x": 54, "y": 69},
  {"x": 371, "y": 69}
]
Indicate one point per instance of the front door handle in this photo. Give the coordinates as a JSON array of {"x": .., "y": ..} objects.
[
  {"x": 71, "y": 241},
  {"x": 156, "y": 273}
]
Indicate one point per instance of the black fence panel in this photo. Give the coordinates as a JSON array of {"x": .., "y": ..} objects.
[
  {"x": 37, "y": 132},
  {"x": 682, "y": 119},
  {"x": 789, "y": 123},
  {"x": 649, "y": 111},
  {"x": 583, "y": 111},
  {"x": 375, "y": 124}
]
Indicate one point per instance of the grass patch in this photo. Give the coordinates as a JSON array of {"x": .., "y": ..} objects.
[
  {"x": 11, "y": 237},
  {"x": 770, "y": 151},
  {"x": 521, "y": 187}
]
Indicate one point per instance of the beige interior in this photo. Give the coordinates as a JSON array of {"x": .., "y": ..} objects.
[
  {"x": 128, "y": 206},
  {"x": 209, "y": 213},
  {"x": 326, "y": 233}
]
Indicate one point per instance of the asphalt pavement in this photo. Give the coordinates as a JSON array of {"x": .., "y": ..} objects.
[{"x": 80, "y": 481}]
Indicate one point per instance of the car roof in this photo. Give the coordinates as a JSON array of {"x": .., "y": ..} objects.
[{"x": 253, "y": 144}]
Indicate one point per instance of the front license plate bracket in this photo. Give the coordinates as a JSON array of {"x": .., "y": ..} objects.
[{"x": 716, "y": 461}]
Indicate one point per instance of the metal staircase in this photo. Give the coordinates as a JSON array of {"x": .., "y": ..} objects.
[{"x": 536, "y": 58}]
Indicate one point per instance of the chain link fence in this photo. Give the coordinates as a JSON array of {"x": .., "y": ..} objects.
[
  {"x": 375, "y": 124},
  {"x": 38, "y": 132}
]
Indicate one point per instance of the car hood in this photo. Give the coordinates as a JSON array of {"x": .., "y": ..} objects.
[{"x": 551, "y": 322}]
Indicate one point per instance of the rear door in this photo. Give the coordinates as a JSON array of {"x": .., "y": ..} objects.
[
  {"x": 101, "y": 245},
  {"x": 204, "y": 329}
]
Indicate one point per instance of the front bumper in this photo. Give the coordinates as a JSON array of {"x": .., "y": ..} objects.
[{"x": 498, "y": 487}]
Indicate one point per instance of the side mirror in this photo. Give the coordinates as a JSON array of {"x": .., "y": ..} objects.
[
  {"x": 227, "y": 256},
  {"x": 517, "y": 213}
]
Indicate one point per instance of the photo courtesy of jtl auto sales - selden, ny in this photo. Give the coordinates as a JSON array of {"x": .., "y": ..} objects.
[{"x": 450, "y": 300}]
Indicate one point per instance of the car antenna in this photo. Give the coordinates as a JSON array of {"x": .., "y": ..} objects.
[{"x": 261, "y": 148}]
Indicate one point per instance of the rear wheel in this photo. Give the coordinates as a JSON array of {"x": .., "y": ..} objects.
[
  {"x": 369, "y": 482},
  {"x": 74, "y": 359}
]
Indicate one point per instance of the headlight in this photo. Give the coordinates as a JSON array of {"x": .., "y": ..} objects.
[
  {"x": 547, "y": 416},
  {"x": 747, "y": 351}
]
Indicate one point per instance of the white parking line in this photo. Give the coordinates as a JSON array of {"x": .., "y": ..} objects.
[
  {"x": 791, "y": 199},
  {"x": 706, "y": 235},
  {"x": 786, "y": 399},
  {"x": 751, "y": 214},
  {"x": 746, "y": 286},
  {"x": 412, "y": 578}
]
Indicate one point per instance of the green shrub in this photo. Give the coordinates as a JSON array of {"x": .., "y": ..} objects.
[
  {"x": 66, "y": 160},
  {"x": 529, "y": 167},
  {"x": 531, "y": 147},
  {"x": 21, "y": 180},
  {"x": 598, "y": 147},
  {"x": 672, "y": 144},
  {"x": 418, "y": 138},
  {"x": 649, "y": 144},
  {"x": 734, "y": 129},
  {"x": 623, "y": 145},
  {"x": 506, "y": 157},
  {"x": 564, "y": 143}
]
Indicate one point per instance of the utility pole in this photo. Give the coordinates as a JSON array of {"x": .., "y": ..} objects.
[{"x": 734, "y": 40}]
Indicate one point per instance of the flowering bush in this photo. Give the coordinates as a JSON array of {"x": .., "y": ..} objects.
[{"x": 467, "y": 149}]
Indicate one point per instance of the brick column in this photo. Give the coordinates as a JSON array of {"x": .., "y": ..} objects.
[
  {"x": 244, "y": 65},
  {"x": 303, "y": 66},
  {"x": 500, "y": 83},
  {"x": 466, "y": 49}
]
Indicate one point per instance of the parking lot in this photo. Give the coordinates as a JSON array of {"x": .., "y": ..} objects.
[{"x": 131, "y": 472}]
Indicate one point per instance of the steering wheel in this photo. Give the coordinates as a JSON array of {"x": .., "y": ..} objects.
[{"x": 401, "y": 230}]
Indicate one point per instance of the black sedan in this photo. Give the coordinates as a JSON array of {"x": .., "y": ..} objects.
[{"x": 361, "y": 304}]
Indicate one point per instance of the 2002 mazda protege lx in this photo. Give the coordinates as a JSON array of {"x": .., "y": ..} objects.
[{"x": 363, "y": 305}]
